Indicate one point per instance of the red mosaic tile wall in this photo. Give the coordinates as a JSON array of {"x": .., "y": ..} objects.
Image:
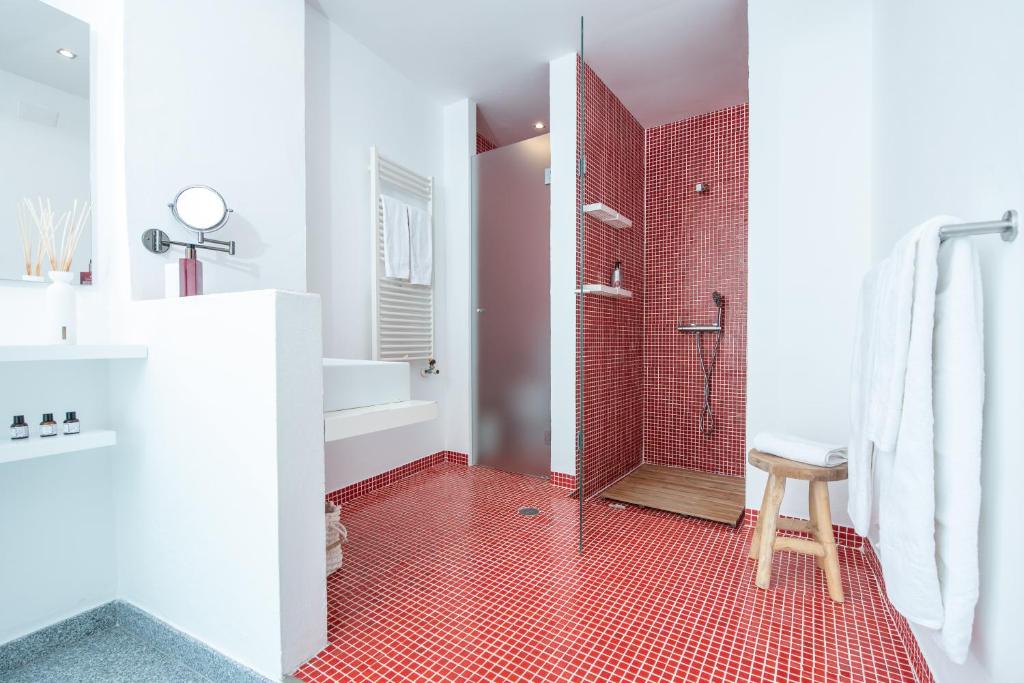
[
  {"x": 696, "y": 244},
  {"x": 613, "y": 328},
  {"x": 563, "y": 481},
  {"x": 360, "y": 488},
  {"x": 483, "y": 144}
]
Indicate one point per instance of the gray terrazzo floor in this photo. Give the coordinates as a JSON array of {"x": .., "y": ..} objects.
[{"x": 111, "y": 655}]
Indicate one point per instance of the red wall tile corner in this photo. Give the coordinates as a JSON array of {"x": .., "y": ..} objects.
[
  {"x": 483, "y": 144},
  {"x": 613, "y": 328},
  {"x": 696, "y": 243}
]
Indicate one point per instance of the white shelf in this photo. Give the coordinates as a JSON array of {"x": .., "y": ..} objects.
[
  {"x": 608, "y": 216},
  {"x": 48, "y": 352},
  {"x": 605, "y": 290},
  {"x": 344, "y": 424},
  {"x": 38, "y": 447}
]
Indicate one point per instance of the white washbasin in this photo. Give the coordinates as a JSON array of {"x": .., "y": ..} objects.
[{"x": 362, "y": 383}]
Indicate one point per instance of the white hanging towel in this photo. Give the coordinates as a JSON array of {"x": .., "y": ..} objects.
[
  {"x": 897, "y": 390},
  {"x": 396, "y": 238},
  {"x": 959, "y": 385},
  {"x": 800, "y": 449},
  {"x": 881, "y": 345},
  {"x": 421, "y": 247}
]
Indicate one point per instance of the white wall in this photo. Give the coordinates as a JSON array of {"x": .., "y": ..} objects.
[
  {"x": 58, "y": 512},
  {"x": 563, "y": 124},
  {"x": 949, "y": 93},
  {"x": 41, "y": 161},
  {"x": 214, "y": 95},
  {"x": 219, "y": 475},
  {"x": 357, "y": 100},
  {"x": 809, "y": 241},
  {"x": 456, "y": 333}
]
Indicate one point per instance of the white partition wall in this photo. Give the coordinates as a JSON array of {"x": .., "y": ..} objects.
[
  {"x": 564, "y": 122},
  {"x": 219, "y": 474}
]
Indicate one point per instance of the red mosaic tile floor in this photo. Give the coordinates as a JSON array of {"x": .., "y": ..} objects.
[{"x": 444, "y": 581}]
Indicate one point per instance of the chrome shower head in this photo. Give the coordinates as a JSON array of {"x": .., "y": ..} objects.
[{"x": 717, "y": 298}]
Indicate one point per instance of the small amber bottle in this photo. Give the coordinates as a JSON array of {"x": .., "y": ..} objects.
[
  {"x": 19, "y": 430},
  {"x": 48, "y": 427},
  {"x": 71, "y": 424}
]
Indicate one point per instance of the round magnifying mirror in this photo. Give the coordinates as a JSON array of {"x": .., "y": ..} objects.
[{"x": 200, "y": 208}]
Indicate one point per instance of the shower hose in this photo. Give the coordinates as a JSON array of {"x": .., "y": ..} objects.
[{"x": 706, "y": 422}]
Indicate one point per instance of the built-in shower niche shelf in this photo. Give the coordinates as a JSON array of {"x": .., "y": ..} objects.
[
  {"x": 607, "y": 215},
  {"x": 605, "y": 290}
]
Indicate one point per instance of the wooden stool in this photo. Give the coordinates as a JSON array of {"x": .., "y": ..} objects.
[{"x": 765, "y": 542}]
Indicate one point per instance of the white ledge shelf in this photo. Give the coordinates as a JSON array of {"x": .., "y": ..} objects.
[
  {"x": 607, "y": 215},
  {"x": 38, "y": 447},
  {"x": 344, "y": 424},
  {"x": 605, "y": 290},
  {"x": 52, "y": 352}
]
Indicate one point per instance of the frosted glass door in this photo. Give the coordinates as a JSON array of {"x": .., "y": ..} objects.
[{"x": 512, "y": 331}]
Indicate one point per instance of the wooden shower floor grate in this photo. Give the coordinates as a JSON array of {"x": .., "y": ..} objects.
[{"x": 716, "y": 497}]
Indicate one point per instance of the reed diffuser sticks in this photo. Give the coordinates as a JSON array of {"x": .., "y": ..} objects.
[
  {"x": 25, "y": 233},
  {"x": 71, "y": 225},
  {"x": 74, "y": 222}
]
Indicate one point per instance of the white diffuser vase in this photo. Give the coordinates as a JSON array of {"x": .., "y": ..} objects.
[{"x": 61, "y": 317}]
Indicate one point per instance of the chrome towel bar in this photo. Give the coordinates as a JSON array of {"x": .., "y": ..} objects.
[{"x": 1007, "y": 227}]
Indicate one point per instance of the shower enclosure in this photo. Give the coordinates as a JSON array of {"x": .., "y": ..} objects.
[
  {"x": 655, "y": 398},
  {"x": 661, "y": 358}
]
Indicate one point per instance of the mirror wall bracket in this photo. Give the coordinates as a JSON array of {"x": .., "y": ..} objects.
[
  {"x": 157, "y": 241},
  {"x": 226, "y": 246}
]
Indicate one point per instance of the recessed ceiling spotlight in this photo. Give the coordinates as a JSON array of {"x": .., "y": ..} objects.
[
  {"x": 66, "y": 53},
  {"x": 539, "y": 125}
]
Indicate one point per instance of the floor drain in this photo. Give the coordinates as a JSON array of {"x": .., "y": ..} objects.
[{"x": 529, "y": 512}]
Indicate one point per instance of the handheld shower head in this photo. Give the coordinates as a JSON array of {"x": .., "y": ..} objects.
[{"x": 717, "y": 298}]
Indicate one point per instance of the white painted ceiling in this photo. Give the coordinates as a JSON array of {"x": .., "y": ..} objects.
[
  {"x": 31, "y": 32},
  {"x": 665, "y": 59}
]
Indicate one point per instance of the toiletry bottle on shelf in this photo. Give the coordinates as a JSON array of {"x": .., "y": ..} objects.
[
  {"x": 617, "y": 275},
  {"x": 190, "y": 273},
  {"x": 71, "y": 423},
  {"x": 19, "y": 430},
  {"x": 48, "y": 427}
]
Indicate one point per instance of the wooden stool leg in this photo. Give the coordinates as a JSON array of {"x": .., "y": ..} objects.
[
  {"x": 767, "y": 519},
  {"x": 755, "y": 543},
  {"x": 820, "y": 561},
  {"x": 823, "y": 522}
]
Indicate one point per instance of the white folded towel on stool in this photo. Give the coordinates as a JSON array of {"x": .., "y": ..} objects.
[{"x": 800, "y": 449}]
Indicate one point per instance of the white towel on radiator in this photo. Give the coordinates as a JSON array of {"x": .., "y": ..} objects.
[
  {"x": 421, "y": 247},
  {"x": 799, "y": 449},
  {"x": 396, "y": 238},
  {"x": 910, "y": 367}
]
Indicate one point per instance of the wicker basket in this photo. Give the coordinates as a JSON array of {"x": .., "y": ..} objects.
[{"x": 336, "y": 535}]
